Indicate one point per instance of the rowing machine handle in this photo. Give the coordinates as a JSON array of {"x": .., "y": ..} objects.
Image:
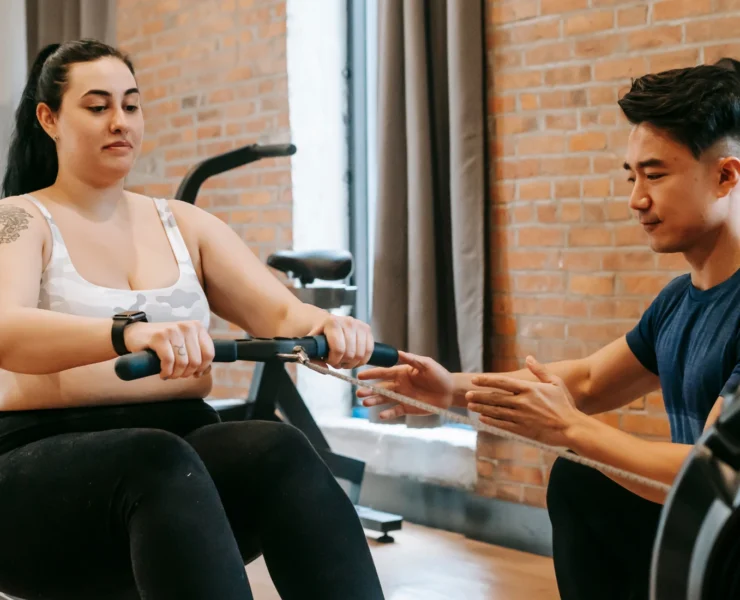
[
  {"x": 143, "y": 364},
  {"x": 383, "y": 355},
  {"x": 146, "y": 363}
]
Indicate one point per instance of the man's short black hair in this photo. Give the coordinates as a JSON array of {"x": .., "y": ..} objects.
[
  {"x": 696, "y": 106},
  {"x": 729, "y": 63}
]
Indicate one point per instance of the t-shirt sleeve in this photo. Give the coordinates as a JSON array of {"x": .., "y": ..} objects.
[
  {"x": 732, "y": 382},
  {"x": 641, "y": 339}
]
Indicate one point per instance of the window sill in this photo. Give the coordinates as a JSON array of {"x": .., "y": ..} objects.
[{"x": 441, "y": 455}]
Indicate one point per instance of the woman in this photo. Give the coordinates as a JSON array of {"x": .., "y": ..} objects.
[{"x": 112, "y": 489}]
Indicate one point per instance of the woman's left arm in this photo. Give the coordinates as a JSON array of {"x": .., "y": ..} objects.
[{"x": 243, "y": 291}]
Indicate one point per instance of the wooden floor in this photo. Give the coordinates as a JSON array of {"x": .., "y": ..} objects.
[{"x": 427, "y": 564}]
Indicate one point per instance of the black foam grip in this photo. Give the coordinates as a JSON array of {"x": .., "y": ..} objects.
[
  {"x": 144, "y": 364},
  {"x": 384, "y": 356}
]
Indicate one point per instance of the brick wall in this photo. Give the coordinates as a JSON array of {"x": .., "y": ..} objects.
[
  {"x": 213, "y": 76},
  {"x": 571, "y": 268}
]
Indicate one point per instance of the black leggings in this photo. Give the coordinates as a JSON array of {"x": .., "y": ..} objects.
[
  {"x": 171, "y": 504},
  {"x": 603, "y": 535}
]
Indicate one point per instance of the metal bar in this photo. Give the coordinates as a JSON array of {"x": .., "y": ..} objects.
[
  {"x": 357, "y": 164},
  {"x": 227, "y": 161}
]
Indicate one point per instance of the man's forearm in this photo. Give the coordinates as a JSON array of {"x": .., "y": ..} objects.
[
  {"x": 660, "y": 461},
  {"x": 575, "y": 374}
]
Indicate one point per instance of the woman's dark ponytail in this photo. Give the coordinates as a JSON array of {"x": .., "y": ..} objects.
[{"x": 32, "y": 156}]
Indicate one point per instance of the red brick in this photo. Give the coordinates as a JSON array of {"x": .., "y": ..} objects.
[
  {"x": 680, "y": 9},
  {"x": 535, "y": 496},
  {"x": 538, "y": 283},
  {"x": 517, "y": 168},
  {"x": 609, "y": 116},
  {"x": 674, "y": 60},
  {"x": 514, "y": 10},
  {"x": 569, "y": 188},
  {"x": 589, "y": 141},
  {"x": 589, "y": 236},
  {"x": 561, "y": 307},
  {"x": 540, "y": 144},
  {"x": 644, "y": 285},
  {"x": 655, "y": 37},
  {"x": 528, "y": 101},
  {"x": 522, "y": 214},
  {"x": 547, "y": 213},
  {"x": 593, "y": 212},
  {"x": 542, "y": 30},
  {"x": 629, "y": 261},
  {"x": 611, "y": 419},
  {"x": 594, "y": 331},
  {"x": 617, "y": 210},
  {"x": 510, "y": 124},
  {"x": 636, "y": 405},
  {"x": 591, "y": 285},
  {"x": 570, "y": 75},
  {"x": 548, "y": 53},
  {"x": 621, "y": 68},
  {"x": 538, "y": 328},
  {"x": 634, "y": 15},
  {"x": 616, "y": 308},
  {"x": 565, "y": 122},
  {"x": 518, "y": 260},
  {"x": 570, "y": 212},
  {"x": 518, "y": 80},
  {"x": 672, "y": 262},
  {"x": 551, "y": 7},
  {"x": 654, "y": 403},
  {"x": 152, "y": 27},
  {"x": 578, "y": 260},
  {"x": 575, "y": 98},
  {"x": 588, "y": 22},
  {"x": 514, "y": 473},
  {"x": 540, "y": 236},
  {"x": 565, "y": 165},
  {"x": 646, "y": 425},
  {"x": 484, "y": 468},
  {"x": 501, "y": 104},
  {"x": 599, "y": 46},
  {"x": 630, "y": 235},
  {"x": 535, "y": 190},
  {"x": 713, "y": 53},
  {"x": 507, "y": 60},
  {"x": 597, "y": 188},
  {"x": 552, "y": 99},
  {"x": 524, "y": 305},
  {"x": 588, "y": 119}
]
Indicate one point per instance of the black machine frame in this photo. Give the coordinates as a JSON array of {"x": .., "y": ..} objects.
[{"x": 272, "y": 393}]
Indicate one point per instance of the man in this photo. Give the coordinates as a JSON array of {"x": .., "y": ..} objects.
[{"x": 682, "y": 159}]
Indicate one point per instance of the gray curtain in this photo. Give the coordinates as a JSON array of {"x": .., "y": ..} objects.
[
  {"x": 51, "y": 21},
  {"x": 429, "y": 286}
]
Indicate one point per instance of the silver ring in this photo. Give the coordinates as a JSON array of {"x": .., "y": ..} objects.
[{"x": 181, "y": 351}]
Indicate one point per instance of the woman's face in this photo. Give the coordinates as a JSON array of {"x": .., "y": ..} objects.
[{"x": 100, "y": 124}]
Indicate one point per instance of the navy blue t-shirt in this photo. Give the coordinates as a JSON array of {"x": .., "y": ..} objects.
[{"x": 690, "y": 338}]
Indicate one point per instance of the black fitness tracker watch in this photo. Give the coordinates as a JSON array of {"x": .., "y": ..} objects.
[{"x": 120, "y": 322}]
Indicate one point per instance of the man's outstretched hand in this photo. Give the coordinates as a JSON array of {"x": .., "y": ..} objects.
[
  {"x": 543, "y": 410},
  {"x": 418, "y": 377}
]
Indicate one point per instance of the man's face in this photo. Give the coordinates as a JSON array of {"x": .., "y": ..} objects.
[{"x": 679, "y": 200}]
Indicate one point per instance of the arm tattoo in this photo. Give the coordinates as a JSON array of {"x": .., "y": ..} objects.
[{"x": 13, "y": 220}]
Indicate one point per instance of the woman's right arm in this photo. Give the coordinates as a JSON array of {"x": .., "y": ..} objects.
[
  {"x": 37, "y": 341},
  {"x": 33, "y": 340}
]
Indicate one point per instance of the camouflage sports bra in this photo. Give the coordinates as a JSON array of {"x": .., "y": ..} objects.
[{"x": 64, "y": 290}]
